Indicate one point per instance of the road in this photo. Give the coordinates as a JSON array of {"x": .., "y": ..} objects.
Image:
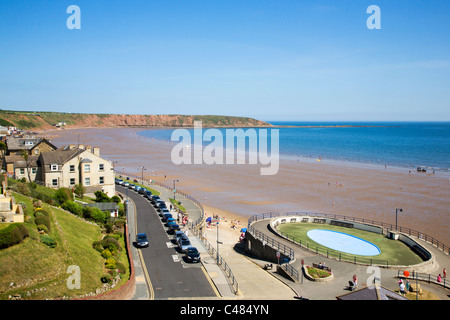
[{"x": 170, "y": 275}]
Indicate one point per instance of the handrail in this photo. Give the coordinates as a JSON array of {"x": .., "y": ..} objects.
[{"x": 422, "y": 236}]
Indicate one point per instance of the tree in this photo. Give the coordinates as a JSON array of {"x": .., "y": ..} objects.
[
  {"x": 80, "y": 190},
  {"x": 101, "y": 197}
]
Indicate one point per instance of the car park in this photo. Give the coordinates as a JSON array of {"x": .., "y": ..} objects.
[
  {"x": 141, "y": 240},
  {"x": 192, "y": 254}
]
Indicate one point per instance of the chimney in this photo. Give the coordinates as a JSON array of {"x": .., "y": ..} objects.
[
  {"x": 81, "y": 146},
  {"x": 89, "y": 148},
  {"x": 97, "y": 151}
]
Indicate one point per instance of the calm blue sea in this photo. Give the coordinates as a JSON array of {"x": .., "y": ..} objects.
[{"x": 403, "y": 144}]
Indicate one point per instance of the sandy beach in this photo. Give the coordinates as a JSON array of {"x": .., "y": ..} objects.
[{"x": 239, "y": 191}]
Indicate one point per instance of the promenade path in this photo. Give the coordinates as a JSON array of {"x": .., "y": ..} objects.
[{"x": 254, "y": 283}]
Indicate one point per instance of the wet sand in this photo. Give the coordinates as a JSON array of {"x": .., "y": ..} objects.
[{"x": 239, "y": 191}]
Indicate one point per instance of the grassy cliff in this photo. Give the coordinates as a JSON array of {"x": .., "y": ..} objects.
[{"x": 48, "y": 120}]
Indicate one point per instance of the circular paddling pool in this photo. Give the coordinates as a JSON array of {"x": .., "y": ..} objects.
[{"x": 343, "y": 242}]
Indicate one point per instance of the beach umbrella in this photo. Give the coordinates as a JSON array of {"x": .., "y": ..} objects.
[
  {"x": 208, "y": 219},
  {"x": 244, "y": 230}
]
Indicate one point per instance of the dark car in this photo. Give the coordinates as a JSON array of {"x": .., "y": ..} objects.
[
  {"x": 192, "y": 254},
  {"x": 154, "y": 198},
  {"x": 172, "y": 228},
  {"x": 148, "y": 194},
  {"x": 141, "y": 240},
  {"x": 166, "y": 217},
  {"x": 142, "y": 190}
]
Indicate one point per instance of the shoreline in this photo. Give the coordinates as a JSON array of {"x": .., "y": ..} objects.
[{"x": 371, "y": 192}]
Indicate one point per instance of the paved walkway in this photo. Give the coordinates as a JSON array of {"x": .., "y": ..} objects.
[{"x": 253, "y": 281}]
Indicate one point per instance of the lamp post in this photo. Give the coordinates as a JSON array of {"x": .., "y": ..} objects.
[
  {"x": 174, "y": 190},
  {"x": 397, "y": 210},
  {"x": 142, "y": 174}
]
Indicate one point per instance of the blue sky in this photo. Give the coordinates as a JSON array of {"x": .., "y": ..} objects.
[{"x": 272, "y": 60}]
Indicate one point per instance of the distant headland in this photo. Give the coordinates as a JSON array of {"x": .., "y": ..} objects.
[{"x": 36, "y": 121}]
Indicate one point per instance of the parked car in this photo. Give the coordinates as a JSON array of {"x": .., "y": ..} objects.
[
  {"x": 142, "y": 191},
  {"x": 173, "y": 228},
  {"x": 166, "y": 217},
  {"x": 182, "y": 237},
  {"x": 137, "y": 188},
  {"x": 192, "y": 254},
  {"x": 141, "y": 240},
  {"x": 118, "y": 181},
  {"x": 170, "y": 221},
  {"x": 154, "y": 198},
  {"x": 178, "y": 234},
  {"x": 183, "y": 244},
  {"x": 165, "y": 210},
  {"x": 131, "y": 186},
  {"x": 126, "y": 184},
  {"x": 147, "y": 194}
]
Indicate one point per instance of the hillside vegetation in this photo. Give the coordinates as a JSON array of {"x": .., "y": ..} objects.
[{"x": 47, "y": 120}]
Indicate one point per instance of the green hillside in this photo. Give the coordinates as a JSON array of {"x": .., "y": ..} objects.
[{"x": 34, "y": 270}]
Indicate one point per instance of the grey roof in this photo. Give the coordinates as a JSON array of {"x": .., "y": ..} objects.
[
  {"x": 19, "y": 161},
  {"x": 375, "y": 292},
  {"x": 59, "y": 157},
  {"x": 19, "y": 143},
  {"x": 104, "y": 206}
]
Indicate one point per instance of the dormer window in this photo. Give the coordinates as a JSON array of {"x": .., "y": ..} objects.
[{"x": 54, "y": 167}]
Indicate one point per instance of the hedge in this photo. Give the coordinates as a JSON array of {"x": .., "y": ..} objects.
[
  {"x": 13, "y": 234},
  {"x": 43, "y": 220}
]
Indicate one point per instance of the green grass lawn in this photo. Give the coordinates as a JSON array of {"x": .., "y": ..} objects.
[
  {"x": 34, "y": 267},
  {"x": 393, "y": 252}
]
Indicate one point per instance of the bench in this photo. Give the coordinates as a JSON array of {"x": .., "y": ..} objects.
[{"x": 315, "y": 265}]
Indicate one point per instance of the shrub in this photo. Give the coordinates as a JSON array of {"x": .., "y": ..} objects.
[
  {"x": 106, "y": 254},
  {"x": 73, "y": 207},
  {"x": 106, "y": 278},
  {"x": 13, "y": 234},
  {"x": 63, "y": 194},
  {"x": 80, "y": 190},
  {"x": 98, "y": 215},
  {"x": 116, "y": 199},
  {"x": 121, "y": 267},
  {"x": 49, "y": 241},
  {"x": 110, "y": 263},
  {"x": 41, "y": 227},
  {"x": 43, "y": 220},
  {"x": 101, "y": 197}
]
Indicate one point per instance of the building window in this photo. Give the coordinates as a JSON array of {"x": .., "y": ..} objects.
[
  {"x": 101, "y": 180},
  {"x": 101, "y": 167},
  {"x": 36, "y": 151},
  {"x": 54, "y": 182},
  {"x": 87, "y": 168},
  {"x": 72, "y": 168},
  {"x": 33, "y": 170},
  {"x": 22, "y": 171},
  {"x": 87, "y": 182},
  {"x": 72, "y": 181},
  {"x": 54, "y": 167}
]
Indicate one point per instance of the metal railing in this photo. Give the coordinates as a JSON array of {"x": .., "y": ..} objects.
[
  {"x": 426, "y": 277},
  {"x": 388, "y": 226}
]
